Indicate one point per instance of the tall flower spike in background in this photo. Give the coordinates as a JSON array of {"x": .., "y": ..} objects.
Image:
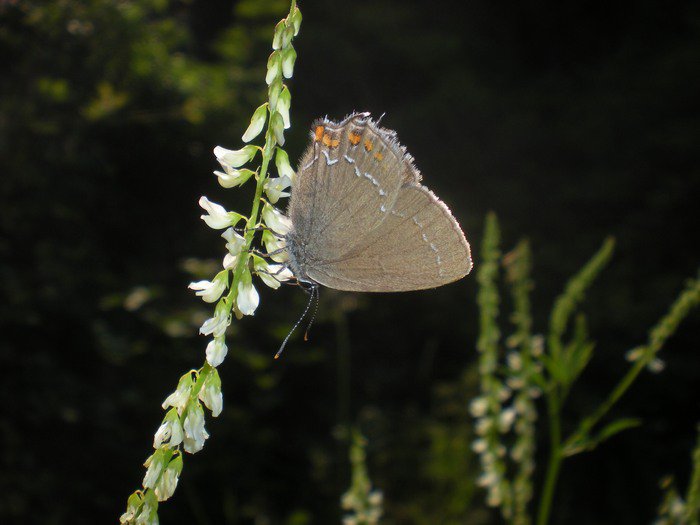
[{"x": 232, "y": 289}]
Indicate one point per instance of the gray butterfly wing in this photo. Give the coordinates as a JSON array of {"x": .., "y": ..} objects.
[
  {"x": 419, "y": 245},
  {"x": 347, "y": 181}
]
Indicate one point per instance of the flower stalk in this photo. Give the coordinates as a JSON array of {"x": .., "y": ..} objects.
[{"x": 232, "y": 289}]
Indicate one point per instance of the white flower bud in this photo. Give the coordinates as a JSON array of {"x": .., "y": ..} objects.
[
  {"x": 195, "y": 433},
  {"x": 276, "y": 220},
  {"x": 273, "y": 67},
  {"x": 217, "y": 217},
  {"x": 235, "y": 158},
  {"x": 296, "y": 20},
  {"x": 216, "y": 325},
  {"x": 289, "y": 56},
  {"x": 277, "y": 127},
  {"x": 283, "y": 105},
  {"x": 273, "y": 94},
  {"x": 257, "y": 122},
  {"x": 216, "y": 352},
  {"x": 284, "y": 169},
  {"x": 279, "y": 31},
  {"x": 247, "y": 299}
]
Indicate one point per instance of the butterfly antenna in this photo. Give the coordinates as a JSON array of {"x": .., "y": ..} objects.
[
  {"x": 314, "y": 290},
  {"x": 306, "y": 310}
]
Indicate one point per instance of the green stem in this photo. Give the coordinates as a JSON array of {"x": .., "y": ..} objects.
[{"x": 555, "y": 458}]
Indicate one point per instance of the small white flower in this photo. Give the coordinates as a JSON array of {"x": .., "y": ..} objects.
[
  {"x": 167, "y": 483},
  {"x": 478, "y": 406},
  {"x": 275, "y": 246},
  {"x": 283, "y": 105},
  {"x": 210, "y": 291},
  {"x": 272, "y": 274},
  {"x": 257, "y": 122},
  {"x": 170, "y": 430},
  {"x": 482, "y": 427},
  {"x": 275, "y": 186},
  {"x": 283, "y": 166},
  {"x": 217, "y": 217},
  {"x": 276, "y": 220},
  {"x": 148, "y": 515},
  {"x": 181, "y": 396},
  {"x": 234, "y": 245},
  {"x": 195, "y": 433},
  {"x": 247, "y": 299},
  {"x": 289, "y": 56},
  {"x": 216, "y": 325},
  {"x": 515, "y": 362},
  {"x": 216, "y": 352},
  {"x": 235, "y": 158},
  {"x": 506, "y": 419},
  {"x": 231, "y": 177},
  {"x": 154, "y": 466},
  {"x": 479, "y": 446},
  {"x": 211, "y": 395}
]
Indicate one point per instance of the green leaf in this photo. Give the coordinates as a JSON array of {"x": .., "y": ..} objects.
[{"x": 585, "y": 443}]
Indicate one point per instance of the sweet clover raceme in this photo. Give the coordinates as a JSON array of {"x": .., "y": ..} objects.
[{"x": 232, "y": 289}]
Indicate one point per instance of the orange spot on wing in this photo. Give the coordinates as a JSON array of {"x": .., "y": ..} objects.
[
  {"x": 334, "y": 143},
  {"x": 318, "y": 133},
  {"x": 354, "y": 138},
  {"x": 378, "y": 156},
  {"x": 368, "y": 145},
  {"x": 327, "y": 139}
]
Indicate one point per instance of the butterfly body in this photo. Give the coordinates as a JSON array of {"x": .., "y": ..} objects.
[{"x": 361, "y": 219}]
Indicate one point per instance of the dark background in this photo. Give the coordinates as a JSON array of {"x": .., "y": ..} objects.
[{"x": 571, "y": 120}]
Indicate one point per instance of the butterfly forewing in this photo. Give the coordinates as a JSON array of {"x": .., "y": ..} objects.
[{"x": 348, "y": 179}]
